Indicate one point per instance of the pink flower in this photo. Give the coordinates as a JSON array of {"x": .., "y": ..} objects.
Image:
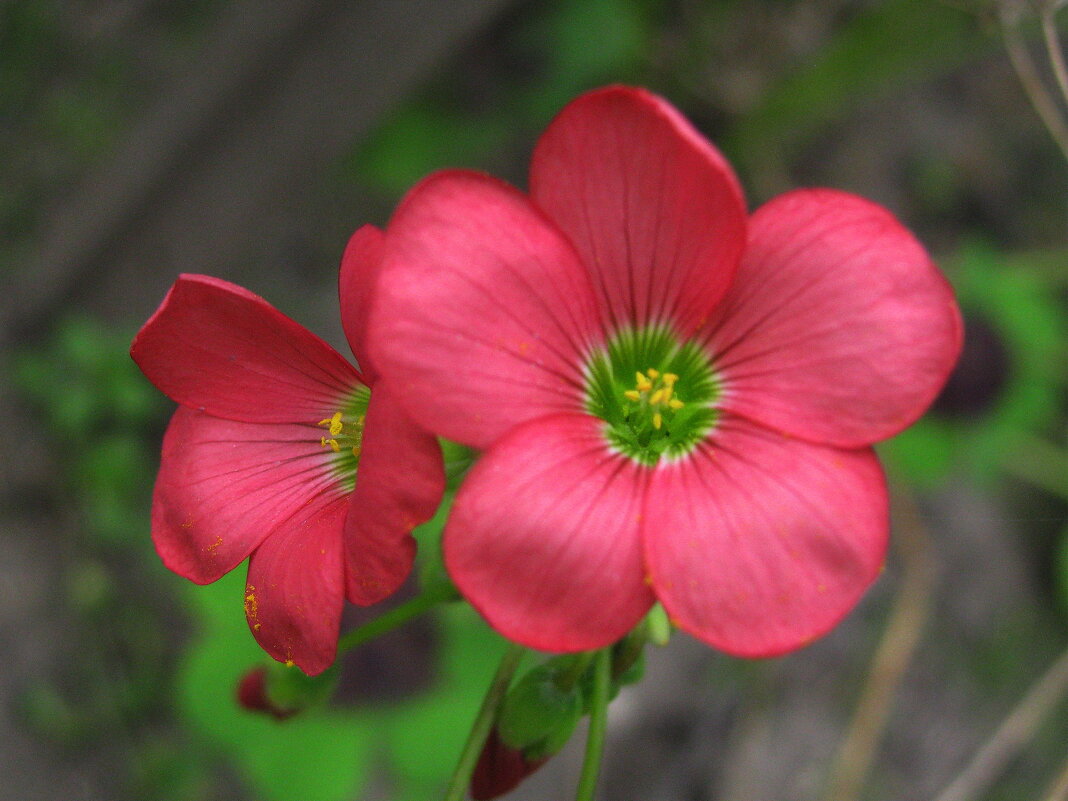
[
  {"x": 261, "y": 458},
  {"x": 676, "y": 401}
]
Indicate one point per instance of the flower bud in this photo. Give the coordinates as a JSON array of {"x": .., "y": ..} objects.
[
  {"x": 283, "y": 690},
  {"x": 541, "y": 710},
  {"x": 252, "y": 695},
  {"x": 500, "y": 768}
]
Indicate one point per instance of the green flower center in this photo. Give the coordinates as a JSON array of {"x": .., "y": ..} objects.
[
  {"x": 656, "y": 395},
  {"x": 343, "y": 435}
]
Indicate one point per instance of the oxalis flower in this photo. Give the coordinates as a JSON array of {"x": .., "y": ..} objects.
[
  {"x": 676, "y": 401},
  {"x": 283, "y": 450}
]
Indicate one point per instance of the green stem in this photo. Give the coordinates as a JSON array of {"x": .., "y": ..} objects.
[
  {"x": 591, "y": 765},
  {"x": 390, "y": 620},
  {"x": 480, "y": 729}
]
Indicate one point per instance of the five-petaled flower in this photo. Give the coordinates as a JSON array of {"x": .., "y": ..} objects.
[
  {"x": 281, "y": 449},
  {"x": 677, "y": 401}
]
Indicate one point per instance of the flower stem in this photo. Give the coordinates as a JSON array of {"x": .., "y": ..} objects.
[
  {"x": 591, "y": 765},
  {"x": 390, "y": 620},
  {"x": 461, "y": 777}
]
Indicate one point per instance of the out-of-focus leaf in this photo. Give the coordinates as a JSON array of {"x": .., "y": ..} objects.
[
  {"x": 887, "y": 46},
  {"x": 321, "y": 756},
  {"x": 1023, "y": 310}
]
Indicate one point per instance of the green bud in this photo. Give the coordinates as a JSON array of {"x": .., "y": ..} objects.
[
  {"x": 290, "y": 688},
  {"x": 538, "y": 716}
]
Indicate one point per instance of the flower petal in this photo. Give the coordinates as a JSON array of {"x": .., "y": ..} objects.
[
  {"x": 399, "y": 484},
  {"x": 295, "y": 587},
  {"x": 215, "y": 346},
  {"x": 653, "y": 209},
  {"x": 838, "y": 327},
  {"x": 757, "y": 543},
  {"x": 224, "y": 486},
  {"x": 543, "y": 537},
  {"x": 356, "y": 284},
  {"x": 483, "y": 312}
]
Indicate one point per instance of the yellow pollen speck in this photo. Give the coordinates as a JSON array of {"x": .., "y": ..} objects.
[
  {"x": 252, "y": 607},
  {"x": 658, "y": 420},
  {"x": 290, "y": 663},
  {"x": 215, "y": 545}
]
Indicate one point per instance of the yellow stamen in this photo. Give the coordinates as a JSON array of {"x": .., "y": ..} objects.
[
  {"x": 632, "y": 394},
  {"x": 670, "y": 379},
  {"x": 644, "y": 384},
  {"x": 658, "y": 420},
  {"x": 657, "y": 397},
  {"x": 675, "y": 404},
  {"x": 652, "y": 373}
]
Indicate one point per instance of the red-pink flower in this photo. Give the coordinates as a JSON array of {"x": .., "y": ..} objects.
[
  {"x": 676, "y": 400},
  {"x": 283, "y": 450}
]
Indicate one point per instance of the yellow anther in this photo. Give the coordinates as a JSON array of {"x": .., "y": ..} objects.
[
  {"x": 632, "y": 394},
  {"x": 657, "y": 397},
  {"x": 331, "y": 443},
  {"x": 668, "y": 391},
  {"x": 670, "y": 379},
  {"x": 652, "y": 373},
  {"x": 675, "y": 404},
  {"x": 658, "y": 420},
  {"x": 644, "y": 384}
]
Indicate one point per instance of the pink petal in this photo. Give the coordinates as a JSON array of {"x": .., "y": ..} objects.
[
  {"x": 543, "y": 537},
  {"x": 399, "y": 484},
  {"x": 224, "y": 486},
  {"x": 483, "y": 313},
  {"x": 653, "y": 209},
  {"x": 838, "y": 327},
  {"x": 217, "y": 347},
  {"x": 758, "y": 543},
  {"x": 295, "y": 587},
  {"x": 356, "y": 283}
]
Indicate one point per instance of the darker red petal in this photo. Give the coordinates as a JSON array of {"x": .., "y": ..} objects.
[
  {"x": 356, "y": 286},
  {"x": 399, "y": 484},
  {"x": 216, "y": 347}
]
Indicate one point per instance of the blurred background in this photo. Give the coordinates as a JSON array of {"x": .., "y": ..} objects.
[{"x": 247, "y": 140}]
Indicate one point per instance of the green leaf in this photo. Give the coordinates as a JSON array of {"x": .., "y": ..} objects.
[{"x": 318, "y": 756}]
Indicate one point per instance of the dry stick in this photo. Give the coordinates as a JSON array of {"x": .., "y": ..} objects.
[
  {"x": 1014, "y": 733},
  {"x": 907, "y": 620},
  {"x": 1058, "y": 790},
  {"x": 1055, "y": 51},
  {"x": 1032, "y": 84}
]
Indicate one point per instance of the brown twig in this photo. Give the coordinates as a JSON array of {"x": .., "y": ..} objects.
[
  {"x": 1015, "y": 732},
  {"x": 893, "y": 656},
  {"x": 1054, "y": 49},
  {"x": 1028, "y": 74},
  {"x": 1058, "y": 789}
]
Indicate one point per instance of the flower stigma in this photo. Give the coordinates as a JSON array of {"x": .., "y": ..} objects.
[{"x": 656, "y": 395}]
